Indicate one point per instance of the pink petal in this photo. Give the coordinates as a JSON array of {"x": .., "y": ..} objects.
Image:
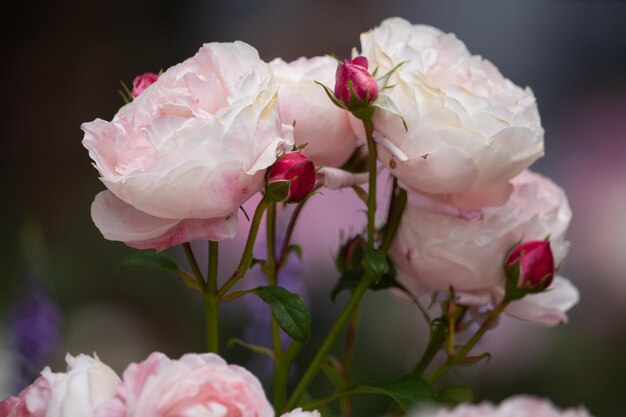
[
  {"x": 335, "y": 178},
  {"x": 122, "y": 222},
  {"x": 548, "y": 307}
]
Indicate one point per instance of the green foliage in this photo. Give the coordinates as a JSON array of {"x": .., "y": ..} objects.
[
  {"x": 407, "y": 391},
  {"x": 455, "y": 394},
  {"x": 157, "y": 260},
  {"x": 289, "y": 310}
]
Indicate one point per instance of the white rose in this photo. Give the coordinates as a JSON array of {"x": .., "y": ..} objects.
[
  {"x": 87, "y": 384},
  {"x": 433, "y": 252},
  {"x": 181, "y": 158},
  {"x": 324, "y": 127},
  {"x": 468, "y": 126},
  {"x": 299, "y": 413}
]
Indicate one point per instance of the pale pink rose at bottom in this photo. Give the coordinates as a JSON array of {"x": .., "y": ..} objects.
[
  {"x": 299, "y": 413},
  {"x": 518, "y": 406},
  {"x": 194, "y": 385},
  {"x": 87, "y": 384}
]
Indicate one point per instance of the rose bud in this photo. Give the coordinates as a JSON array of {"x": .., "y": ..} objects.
[
  {"x": 291, "y": 178},
  {"x": 535, "y": 262},
  {"x": 143, "y": 81},
  {"x": 364, "y": 85}
]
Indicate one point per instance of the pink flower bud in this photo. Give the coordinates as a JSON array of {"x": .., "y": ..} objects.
[
  {"x": 363, "y": 84},
  {"x": 143, "y": 81},
  {"x": 536, "y": 263},
  {"x": 296, "y": 168}
]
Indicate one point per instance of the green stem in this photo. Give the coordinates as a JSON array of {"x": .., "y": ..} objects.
[
  {"x": 437, "y": 338},
  {"x": 371, "y": 192},
  {"x": 328, "y": 343},
  {"x": 348, "y": 354},
  {"x": 246, "y": 257},
  {"x": 280, "y": 373},
  {"x": 193, "y": 264},
  {"x": 393, "y": 218},
  {"x": 453, "y": 360},
  {"x": 210, "y": 299}
]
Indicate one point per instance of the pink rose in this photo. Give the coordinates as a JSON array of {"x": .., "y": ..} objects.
[
  {"x": 143, "y": 81},
  {"x": 518, "y": 406},
  {"x": 298, "y": 412},
  {"x": 354, "y": 73},
  {"x": 194, "y": 385},
  {"x": 181, "y": 158},
  {"x": 324, "y": 127},
  {"x": 433, "y": 252},
  {"x": 86, "y": 385},
  {"x": 468, "y": 126}
]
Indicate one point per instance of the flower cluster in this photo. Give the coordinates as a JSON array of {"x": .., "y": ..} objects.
[
  {"x": 468, "y": 225},
  {"x": 194, "y": 385}
]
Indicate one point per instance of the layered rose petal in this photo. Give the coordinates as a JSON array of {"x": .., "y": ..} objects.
[
  {"x": 194, "y": 385},
  {"x": 518, "y": 406},
  {"x": 548, "y": 307},
  {"x": 120, "y": 221},
  {"x": 87, "y": 384},
  {"x": 320, "y": 124},
  {"x": 468, "y": 127},
  {"x": 433, "y": 252},
  {"x": 193, "y": 146}
]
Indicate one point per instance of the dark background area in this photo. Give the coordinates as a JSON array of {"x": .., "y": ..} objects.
[{"x": 62, "y": 63}]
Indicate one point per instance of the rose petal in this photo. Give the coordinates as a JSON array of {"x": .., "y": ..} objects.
[
  {"x": 548, "y": 307},
  {"x": 335, "y": 178},
  {"x": 120, "y": 221}
]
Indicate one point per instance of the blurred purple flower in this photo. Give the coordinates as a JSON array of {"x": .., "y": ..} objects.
[{"x": 34, "y": 329}]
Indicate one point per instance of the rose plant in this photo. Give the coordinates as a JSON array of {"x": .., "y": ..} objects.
[{"x": 466, "y": 224}]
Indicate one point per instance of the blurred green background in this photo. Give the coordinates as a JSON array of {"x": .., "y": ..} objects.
[{"x": 62, "y": 65}]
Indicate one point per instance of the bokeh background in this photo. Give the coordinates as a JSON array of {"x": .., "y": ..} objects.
[{"x": 62, "y": 63}]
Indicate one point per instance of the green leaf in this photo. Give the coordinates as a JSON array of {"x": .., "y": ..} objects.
[
  {"x": 278, "y": 191},
  {"x": 375, "y": 261},
  {"x": 331, "y": 96},
  {"x": 407, "y": 391},
  {"x": 455, "y": 394},
  {"x": 348, "y": 281},
  {"x": 384, "y": 80},
  {"x": 384, "y": 102},
  {"x": 150, "y": 259},
  {"x": 289, "y": 310},
  {"x": 297, "y": 249}
]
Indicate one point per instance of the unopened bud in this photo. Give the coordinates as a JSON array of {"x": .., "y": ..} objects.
[
  {"x": 143, "y": 81},
  {"x": 531, "y": 264},
  {"x": 291, "y": 178},
  {"x": 354, "y": 74}
]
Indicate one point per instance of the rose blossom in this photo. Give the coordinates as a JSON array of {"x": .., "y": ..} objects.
[
  {"x": 324, "y": 127},
  {"x": 299, "y": 413},
  {"x": 296, "y": 168},
  {"x": 468, "y": 126},
  {"x": 181, "y": 158},
  {"x": 518, "y": 406},
  {"x": 143, "y": 81},
  {"x": 87, "y": 384},
  {"x": 194, "y": 385},
  {"x": 354, "y": 73},
  {"x": 433, "y": 252}
]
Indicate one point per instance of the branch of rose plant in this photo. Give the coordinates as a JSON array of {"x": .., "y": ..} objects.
[
  {"x": 371, "y": 192},
  {"x": 486, "y": 325},
  {"x": 193, "y": 263},
  {"x": 285, "y": 249},
  {"x": 365, "y": 282},
  {"x": 210, "y": 299},
  {"x": 280, "y": 374},
  {"x": 247, "y": 256},
  {"x": 346, "y": 364}
]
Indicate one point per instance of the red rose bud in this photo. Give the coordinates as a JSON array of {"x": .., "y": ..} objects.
[
  {"x": 295, "y": 170},
  {"x": 363, "y": 84},
  {"x": 143, "y": 81},
  {"x": 536, "y": 264}
]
